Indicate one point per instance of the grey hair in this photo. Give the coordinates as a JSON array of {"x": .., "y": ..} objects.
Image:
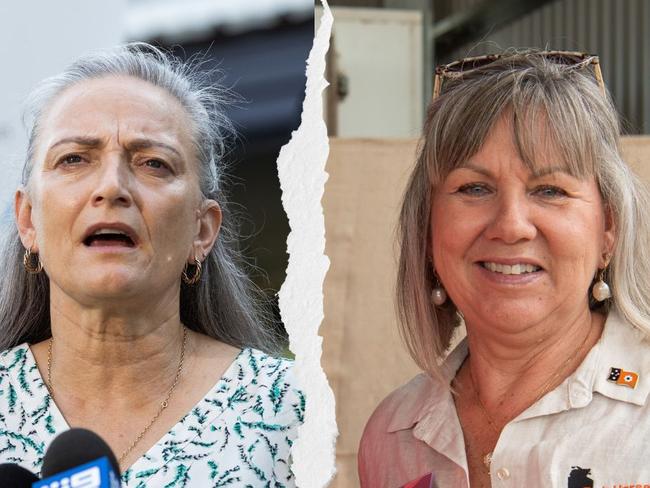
[
  {"x": 224, "y": 304},
  {"x": 549, "y": 105}
]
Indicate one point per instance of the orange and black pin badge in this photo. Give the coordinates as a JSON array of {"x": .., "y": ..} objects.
[{"x": 623, "y": 378}]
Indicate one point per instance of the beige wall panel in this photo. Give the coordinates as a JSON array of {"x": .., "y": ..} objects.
[
  {"x": 380, "y": 54},
  {"x": 636, "y": 151},
  {"x": 363, "y": 355}
]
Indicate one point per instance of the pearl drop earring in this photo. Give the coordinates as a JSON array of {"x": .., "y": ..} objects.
[
  {"x": 438, "y": 295},
  {"x": 600, "y": 290}
]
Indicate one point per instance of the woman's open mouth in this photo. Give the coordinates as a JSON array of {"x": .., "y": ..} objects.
[{"x": 108, "y": 238}]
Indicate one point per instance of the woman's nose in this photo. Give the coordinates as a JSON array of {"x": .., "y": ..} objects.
[
  {"x": 113, "y": 186},
  {"x": 511, "y": 220}
]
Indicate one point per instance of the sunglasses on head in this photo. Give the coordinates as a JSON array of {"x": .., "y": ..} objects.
[{"x": 457, "y": 69}]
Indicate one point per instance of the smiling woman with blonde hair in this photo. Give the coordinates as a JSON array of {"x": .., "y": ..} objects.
[
  {"x": 124, "y": 307},
  {"x": 522, "y": 220}
]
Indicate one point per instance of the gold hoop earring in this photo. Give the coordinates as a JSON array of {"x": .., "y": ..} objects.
[
  {"x": 28, "y": 261},
  {"x": 197, "y": 273}
]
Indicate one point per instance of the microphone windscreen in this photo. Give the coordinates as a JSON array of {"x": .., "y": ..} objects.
[
  {"x": 14, "y": 476},
  {"x": 73, "y": 448}
]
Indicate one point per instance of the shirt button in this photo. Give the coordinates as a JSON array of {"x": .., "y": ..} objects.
[{"x": 503, "y": 473}]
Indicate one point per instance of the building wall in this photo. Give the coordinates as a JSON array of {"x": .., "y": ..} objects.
[{"x": 617, "y": 31}]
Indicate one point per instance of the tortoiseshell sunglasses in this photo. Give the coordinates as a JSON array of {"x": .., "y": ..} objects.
[{"x": 462, "y": 67}]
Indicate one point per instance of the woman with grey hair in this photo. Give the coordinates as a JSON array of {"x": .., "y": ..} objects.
[
  {"x": 521, "y": 220},
  {"x": 124, "y": 307}
]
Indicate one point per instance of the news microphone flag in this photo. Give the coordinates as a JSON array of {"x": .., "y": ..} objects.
[{"x": 95, "y": 474}]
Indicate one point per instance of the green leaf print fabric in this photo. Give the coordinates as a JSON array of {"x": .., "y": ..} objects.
[{"x": 239, "y": 434}]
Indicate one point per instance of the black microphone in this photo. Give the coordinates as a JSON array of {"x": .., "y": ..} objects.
[
  {"x": 75, "y": 448},
  {"x": 14, "y": 476}
]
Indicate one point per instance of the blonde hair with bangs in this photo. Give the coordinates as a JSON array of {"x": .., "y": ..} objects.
[{"x": 551, "y": 106}]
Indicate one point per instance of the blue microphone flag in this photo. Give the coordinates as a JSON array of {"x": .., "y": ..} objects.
[{"x": 95, "y": 474}]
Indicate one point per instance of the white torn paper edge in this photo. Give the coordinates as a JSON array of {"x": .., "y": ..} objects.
[{"x": 301, "y": 168}]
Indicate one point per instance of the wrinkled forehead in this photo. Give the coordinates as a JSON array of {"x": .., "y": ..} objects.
[{"x": 116, "y": 106}]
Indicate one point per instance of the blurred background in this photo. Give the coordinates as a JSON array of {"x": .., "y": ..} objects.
[
  {"x": 387, "y": 50},
  {"x": 380, "y": 66},
  {"x": 259, "y": 46}
]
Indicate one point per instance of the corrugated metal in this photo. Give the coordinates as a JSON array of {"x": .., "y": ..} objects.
[{"x": 617, "y": 30}]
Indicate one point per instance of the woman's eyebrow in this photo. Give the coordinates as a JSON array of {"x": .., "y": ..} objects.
[
  {"x": 536, "y": 172},
  {"x": 539, "y": 172},
  {"x": 135, "y": 144},
  {"x": 80, "y": 140},
  {"x": 144, "y": 143}
]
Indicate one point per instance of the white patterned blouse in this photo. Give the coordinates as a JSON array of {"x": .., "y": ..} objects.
[{"x": 239, "y": 434}]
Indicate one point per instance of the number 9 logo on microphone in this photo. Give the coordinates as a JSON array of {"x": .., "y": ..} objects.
[
  {"x": 91, "y": 478},
  {"x": 88, "y": 478}
]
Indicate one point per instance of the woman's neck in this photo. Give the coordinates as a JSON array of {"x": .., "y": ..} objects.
[
  {"x": 509, "y": 369},
  {"x": 103, "y": 353}
]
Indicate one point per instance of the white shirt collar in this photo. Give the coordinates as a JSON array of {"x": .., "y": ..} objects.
[{"x": 618, "y": 347}]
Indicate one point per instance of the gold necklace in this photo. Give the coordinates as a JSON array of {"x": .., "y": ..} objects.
[
  {"x": 487, "y": 458},
  {"x": 161, "y": 408}
]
